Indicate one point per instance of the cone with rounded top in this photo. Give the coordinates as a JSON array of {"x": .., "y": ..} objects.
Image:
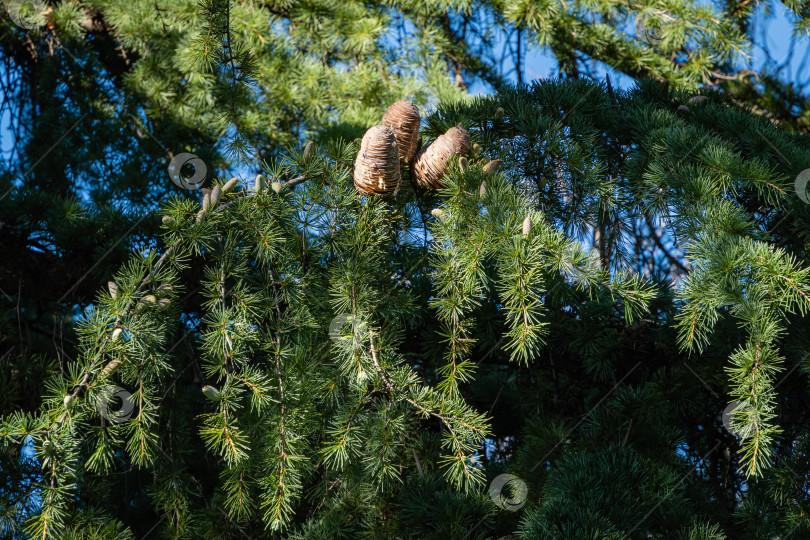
[
  {"x": 403, "y": 119},
  {"x": 376, "y": 169},
  {"x": 431, "y": 163}
]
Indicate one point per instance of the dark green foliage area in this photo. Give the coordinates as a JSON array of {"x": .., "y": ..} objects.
[{"x": 580, "y": 320}]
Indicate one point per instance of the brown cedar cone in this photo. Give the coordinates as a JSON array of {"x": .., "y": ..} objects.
[
  {"x": 376, "y": 169},
  {"x": 431, "y": 163},
  {"x": 403, "y": 119}
]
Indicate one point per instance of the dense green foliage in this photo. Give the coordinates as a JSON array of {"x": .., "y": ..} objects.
[
  {"x": 361, "y": 349},
  {"x": 316, "y": 364}
]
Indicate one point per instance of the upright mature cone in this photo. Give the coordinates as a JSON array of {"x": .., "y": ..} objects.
[
  {"x": 431, "y": 163},
  {"x": 403, "y": 119},
  {"x": 376, "y": 169}
]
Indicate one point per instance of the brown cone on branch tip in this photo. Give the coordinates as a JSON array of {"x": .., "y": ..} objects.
[
  {"x": 376, "y": 169},
  {"x": 492, "y": 167},
  {"x": 309, "y": 149},
  {"x": 402, "y": 118},
  {"x": 216, "y": 193},
  {"x": 431, "y": 162}
]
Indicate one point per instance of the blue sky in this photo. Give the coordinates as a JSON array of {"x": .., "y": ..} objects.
[{"x": 773, "y": 21}]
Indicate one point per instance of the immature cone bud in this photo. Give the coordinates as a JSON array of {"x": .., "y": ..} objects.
[
  {"x": 698, "y": 100},
  {"x": 483, "y": 189},
  {"x": 431, "y": 163},
  {"x": 116, "y": 334},
  {"x": 492, "y": 167},
  {"x": 309, "y": 149},
  {"x": 376, "y": 169},
  {"x": 113, "y": 289},
  {"x": 437, "y": 213},
  {"x": 277, "y": 187},
  {"x": 527, "y": 225},
  {"x": 68, "y": 401},
  {"x": 462, "y": 164},
  {"x": 499, "y": 112},
  {"x": 165, "y": 288},
  {"x": 145, "y": 301},
  {"x": 476, "y": 149},
  {"x": 164, "y": 303},
  {"x": 402, "y": 118},
  {"x": 683, "y": 109},
  {"x": 230, "y": 184},
  {"x": 167, "y": 220},
  {"x": 258, "y": 184},
  {"x": 211, "y": 393},
  {"x": 216, "y": 193},
  {"x": 206, "y": 204},
  {"x": 109, "y": 368}
]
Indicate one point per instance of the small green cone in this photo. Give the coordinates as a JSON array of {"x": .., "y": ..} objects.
[
  {"x": 211, "y": 393},
  {"x": 258, "y": 184}
]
